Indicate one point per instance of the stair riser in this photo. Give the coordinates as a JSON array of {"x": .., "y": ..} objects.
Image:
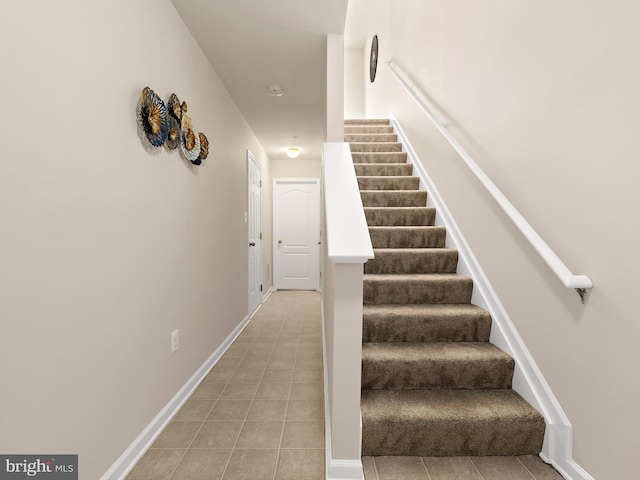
[
  {"x": 427, "y": 438},
  {"x": 436, "y": 374},
  {"x": 379, "y": 157},
  {"x": 362, "y": 129},
  {"x": 400, "y": 217},
  {"x": 378, "y": 170},
  {"x": 367, "y": 121},
  {"x": 388, "y": 183},
  {"x": 377, "y": 328},
  {"x": 417, "y": 237},
  {"x": 375, "y": 147},
  {"x": 413, "y": 262},
  {"x": 399, "y": 198},
  {"x": 413, "y": 291},
  {"x": 371, "y": 137}
]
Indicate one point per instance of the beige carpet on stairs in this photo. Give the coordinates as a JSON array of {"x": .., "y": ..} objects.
[{"x": 432, "y": 384}]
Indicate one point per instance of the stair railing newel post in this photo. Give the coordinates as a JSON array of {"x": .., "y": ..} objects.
[{"x": 570, "y": 280}]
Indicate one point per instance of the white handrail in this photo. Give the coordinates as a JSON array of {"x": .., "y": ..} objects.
[{"x": 569, "y": 279}]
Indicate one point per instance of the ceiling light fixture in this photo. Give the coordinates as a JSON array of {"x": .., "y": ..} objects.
[
  {"x": 275, "y": 90},
  {"x": 293, "y": 152}
]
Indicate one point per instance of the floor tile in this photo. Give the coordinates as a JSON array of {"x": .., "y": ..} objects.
[
  {"x": 306, "y": 391},
  {"x": 539, "y": 469},
  {"x": 202, "y": 464},
  {"x": 450, "y": 468},
  {"x": 231, "y": 410},
  {"x": 307, "y": 410},
  {"x": 287, "y": 362},
  {"x": 156, "y": 464},
  {"x": 254, "y": 362},
  {"x": 267, "y": 410},
  {"x": 220, "y": 374},
  {"x": 217, "y": 435},
  {"x": 260, "y": 435},
  {"x": 303, "y": 435},
  {"x": 278, "y": 375},
  {"x": 400, "y": 468},
  {"x": 177, "y": 435},
  {"x": 248, "y": 374},
  {"x": 296, "y": 464},
  {"x": 303, "y": 375},
  {"x": 251, "y": 465},
  {"x": 208, "y": 390},
  {"x": 194, "y": 410},
  {"x": 501, "y": 468},
  {"x": 273, "y": 391},
  {"x": 239, "y": 391}
]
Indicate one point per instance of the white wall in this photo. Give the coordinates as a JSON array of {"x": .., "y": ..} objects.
[
  {"x": 354, "y": 72},
  {"x": 544, "y": 94},
  {"x": 105, "y": 248}
]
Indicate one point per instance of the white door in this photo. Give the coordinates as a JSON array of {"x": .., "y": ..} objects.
[
  {"x": 296, "y": 230},
  {"x": 254, "y": 232}
]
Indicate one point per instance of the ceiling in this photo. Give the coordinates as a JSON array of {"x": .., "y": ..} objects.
[{"x": 252, "y": 44}]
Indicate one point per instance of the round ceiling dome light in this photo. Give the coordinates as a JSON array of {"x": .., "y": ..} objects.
[
  {"x": 293, "y": 152},
  {"x": 275, "y": 90}
]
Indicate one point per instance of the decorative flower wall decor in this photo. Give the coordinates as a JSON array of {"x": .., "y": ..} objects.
[{"x": 170, "y": 126}]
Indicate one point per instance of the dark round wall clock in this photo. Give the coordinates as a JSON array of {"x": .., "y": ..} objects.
[{"x": 373, "y": 59}]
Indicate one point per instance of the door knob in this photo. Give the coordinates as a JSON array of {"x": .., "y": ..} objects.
[
  {"x": 279, "y": 241},
  {"x": 252, "y": 244}
]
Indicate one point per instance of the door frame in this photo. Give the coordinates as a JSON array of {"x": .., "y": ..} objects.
[
  {"x": 252, "y": 308},
  {"x": 310, "y": 180}
]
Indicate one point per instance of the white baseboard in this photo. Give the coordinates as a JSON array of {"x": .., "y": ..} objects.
[
  {"x": 140, "y": 445},
  {"x": 267, "y": 294},
  {"x": 528, "y": 380},
  {"x": 335, "y": 469}
]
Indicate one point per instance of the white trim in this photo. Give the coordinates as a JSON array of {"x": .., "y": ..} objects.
[
  {"x": 267, "y": 294},
  {"x": 335, "y": 469},
  {"x": 528, "y": 380},
  {"x": 140, "y": 445},
  {"x": 568, "y": 279}
]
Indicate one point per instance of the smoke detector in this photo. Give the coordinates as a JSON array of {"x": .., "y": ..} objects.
[{"x": 275, "y": 90}]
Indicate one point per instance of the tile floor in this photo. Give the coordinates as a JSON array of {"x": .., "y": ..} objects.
[{"x": 259, "y": 415}]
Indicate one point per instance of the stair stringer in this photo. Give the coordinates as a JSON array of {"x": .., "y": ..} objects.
[{"x": 528, "y": 380}]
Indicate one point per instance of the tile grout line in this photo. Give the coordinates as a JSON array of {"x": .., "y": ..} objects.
[
  {"x": 528, "y": 471},
  {"x": 375, "y": 467},
  {"x": 476, "y": 468},
  {"x": 425, "y": 468}
]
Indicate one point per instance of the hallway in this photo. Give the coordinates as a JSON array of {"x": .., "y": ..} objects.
[{"x": 259, "y": 413}]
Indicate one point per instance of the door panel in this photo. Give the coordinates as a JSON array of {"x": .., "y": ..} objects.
[
  {"x": 297, "y": 233},
  {"x": 254, "y": 228}
]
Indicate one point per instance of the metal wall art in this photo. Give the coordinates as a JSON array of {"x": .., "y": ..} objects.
[{"x": 170, "y": 126}]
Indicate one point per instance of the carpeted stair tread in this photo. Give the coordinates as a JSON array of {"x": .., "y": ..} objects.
[
  {"x": 449, "y": 422},
  {"x": 425, "y": 323},
  {"x": 383, "y": 169},
  {"x": 412, "y": 260},
  {"x": 387, "y": 289},
  {"x": 379, "y": 157},
  {"x": 354, "y": 129},
  {"x": 407, "y": 237},
  {"x": 370, "y": 137},
  {"x": 435, "y": 365},
  {"x": 393, "y": 198},
  {"x": 400, "y": 216},
  {"x": 388, "y": 182},
  {"x": 367, "y": 121},
  {"x": 375, "y": 147}
]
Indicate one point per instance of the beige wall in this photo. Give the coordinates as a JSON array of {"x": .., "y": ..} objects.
[
  {"x": 545, "y": 95},
  {"x": 295, "y": 168},
  {"x": 354, "y": 72},
  {"x": 105, "y": 248}
]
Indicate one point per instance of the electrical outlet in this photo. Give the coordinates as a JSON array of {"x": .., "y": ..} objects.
[{"x": 175, "y": 341}]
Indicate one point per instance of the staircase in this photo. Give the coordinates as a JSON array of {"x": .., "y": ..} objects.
[{"x": 432, "y": 384}]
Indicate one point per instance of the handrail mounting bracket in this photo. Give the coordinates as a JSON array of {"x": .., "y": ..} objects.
[{"x": 582, "y": 292}]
